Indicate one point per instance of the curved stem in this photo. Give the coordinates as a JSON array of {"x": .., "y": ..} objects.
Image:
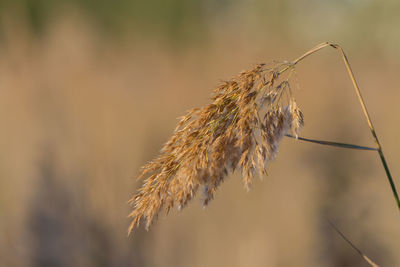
[{"x": 363, "y": 106}]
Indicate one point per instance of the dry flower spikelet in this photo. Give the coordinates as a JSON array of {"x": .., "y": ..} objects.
[{"x": 240, "y": 130}]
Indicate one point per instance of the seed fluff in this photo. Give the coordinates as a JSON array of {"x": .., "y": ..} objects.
[{"x": 240, "y": 129}]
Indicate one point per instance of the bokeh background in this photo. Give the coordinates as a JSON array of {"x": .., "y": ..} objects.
[{"x": 90, "y": 90}]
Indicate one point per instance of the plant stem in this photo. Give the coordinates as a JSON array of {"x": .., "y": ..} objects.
[
  {"x": 368, "y": 260},
  {"x": 363, "y": 106},
  {"x": 329, "y": 143}
]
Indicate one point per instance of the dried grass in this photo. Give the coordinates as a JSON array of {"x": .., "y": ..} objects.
[
  {"x": 240, "y": 130},
  {"x": 229, "y": 134}
]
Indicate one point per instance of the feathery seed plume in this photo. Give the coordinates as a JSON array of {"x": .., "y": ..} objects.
[{"x": 240, "y": 130}]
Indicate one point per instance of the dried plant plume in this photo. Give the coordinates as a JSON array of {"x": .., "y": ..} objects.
[{"x": 240, "y": 130}]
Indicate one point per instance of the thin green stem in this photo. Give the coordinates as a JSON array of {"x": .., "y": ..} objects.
[
  {"x": 363, "y": 106},
  {"x": 336, "y": 144}
]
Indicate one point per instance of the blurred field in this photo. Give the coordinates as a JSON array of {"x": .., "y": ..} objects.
[{"x": 81, "y": 111}]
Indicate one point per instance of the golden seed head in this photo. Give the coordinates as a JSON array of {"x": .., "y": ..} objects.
[{"x": 219, "y": 138}]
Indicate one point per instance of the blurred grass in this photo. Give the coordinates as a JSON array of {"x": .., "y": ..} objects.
[
  {"x": 180, "y": 22},
  {"x": 176, "y": 20},
  {"x": 81, "y": 111}
]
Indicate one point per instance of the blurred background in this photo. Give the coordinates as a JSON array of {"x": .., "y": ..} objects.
[{"x": 90, "y": 90}]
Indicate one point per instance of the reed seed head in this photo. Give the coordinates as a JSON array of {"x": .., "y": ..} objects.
[{"x": 240, "y": 130}]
